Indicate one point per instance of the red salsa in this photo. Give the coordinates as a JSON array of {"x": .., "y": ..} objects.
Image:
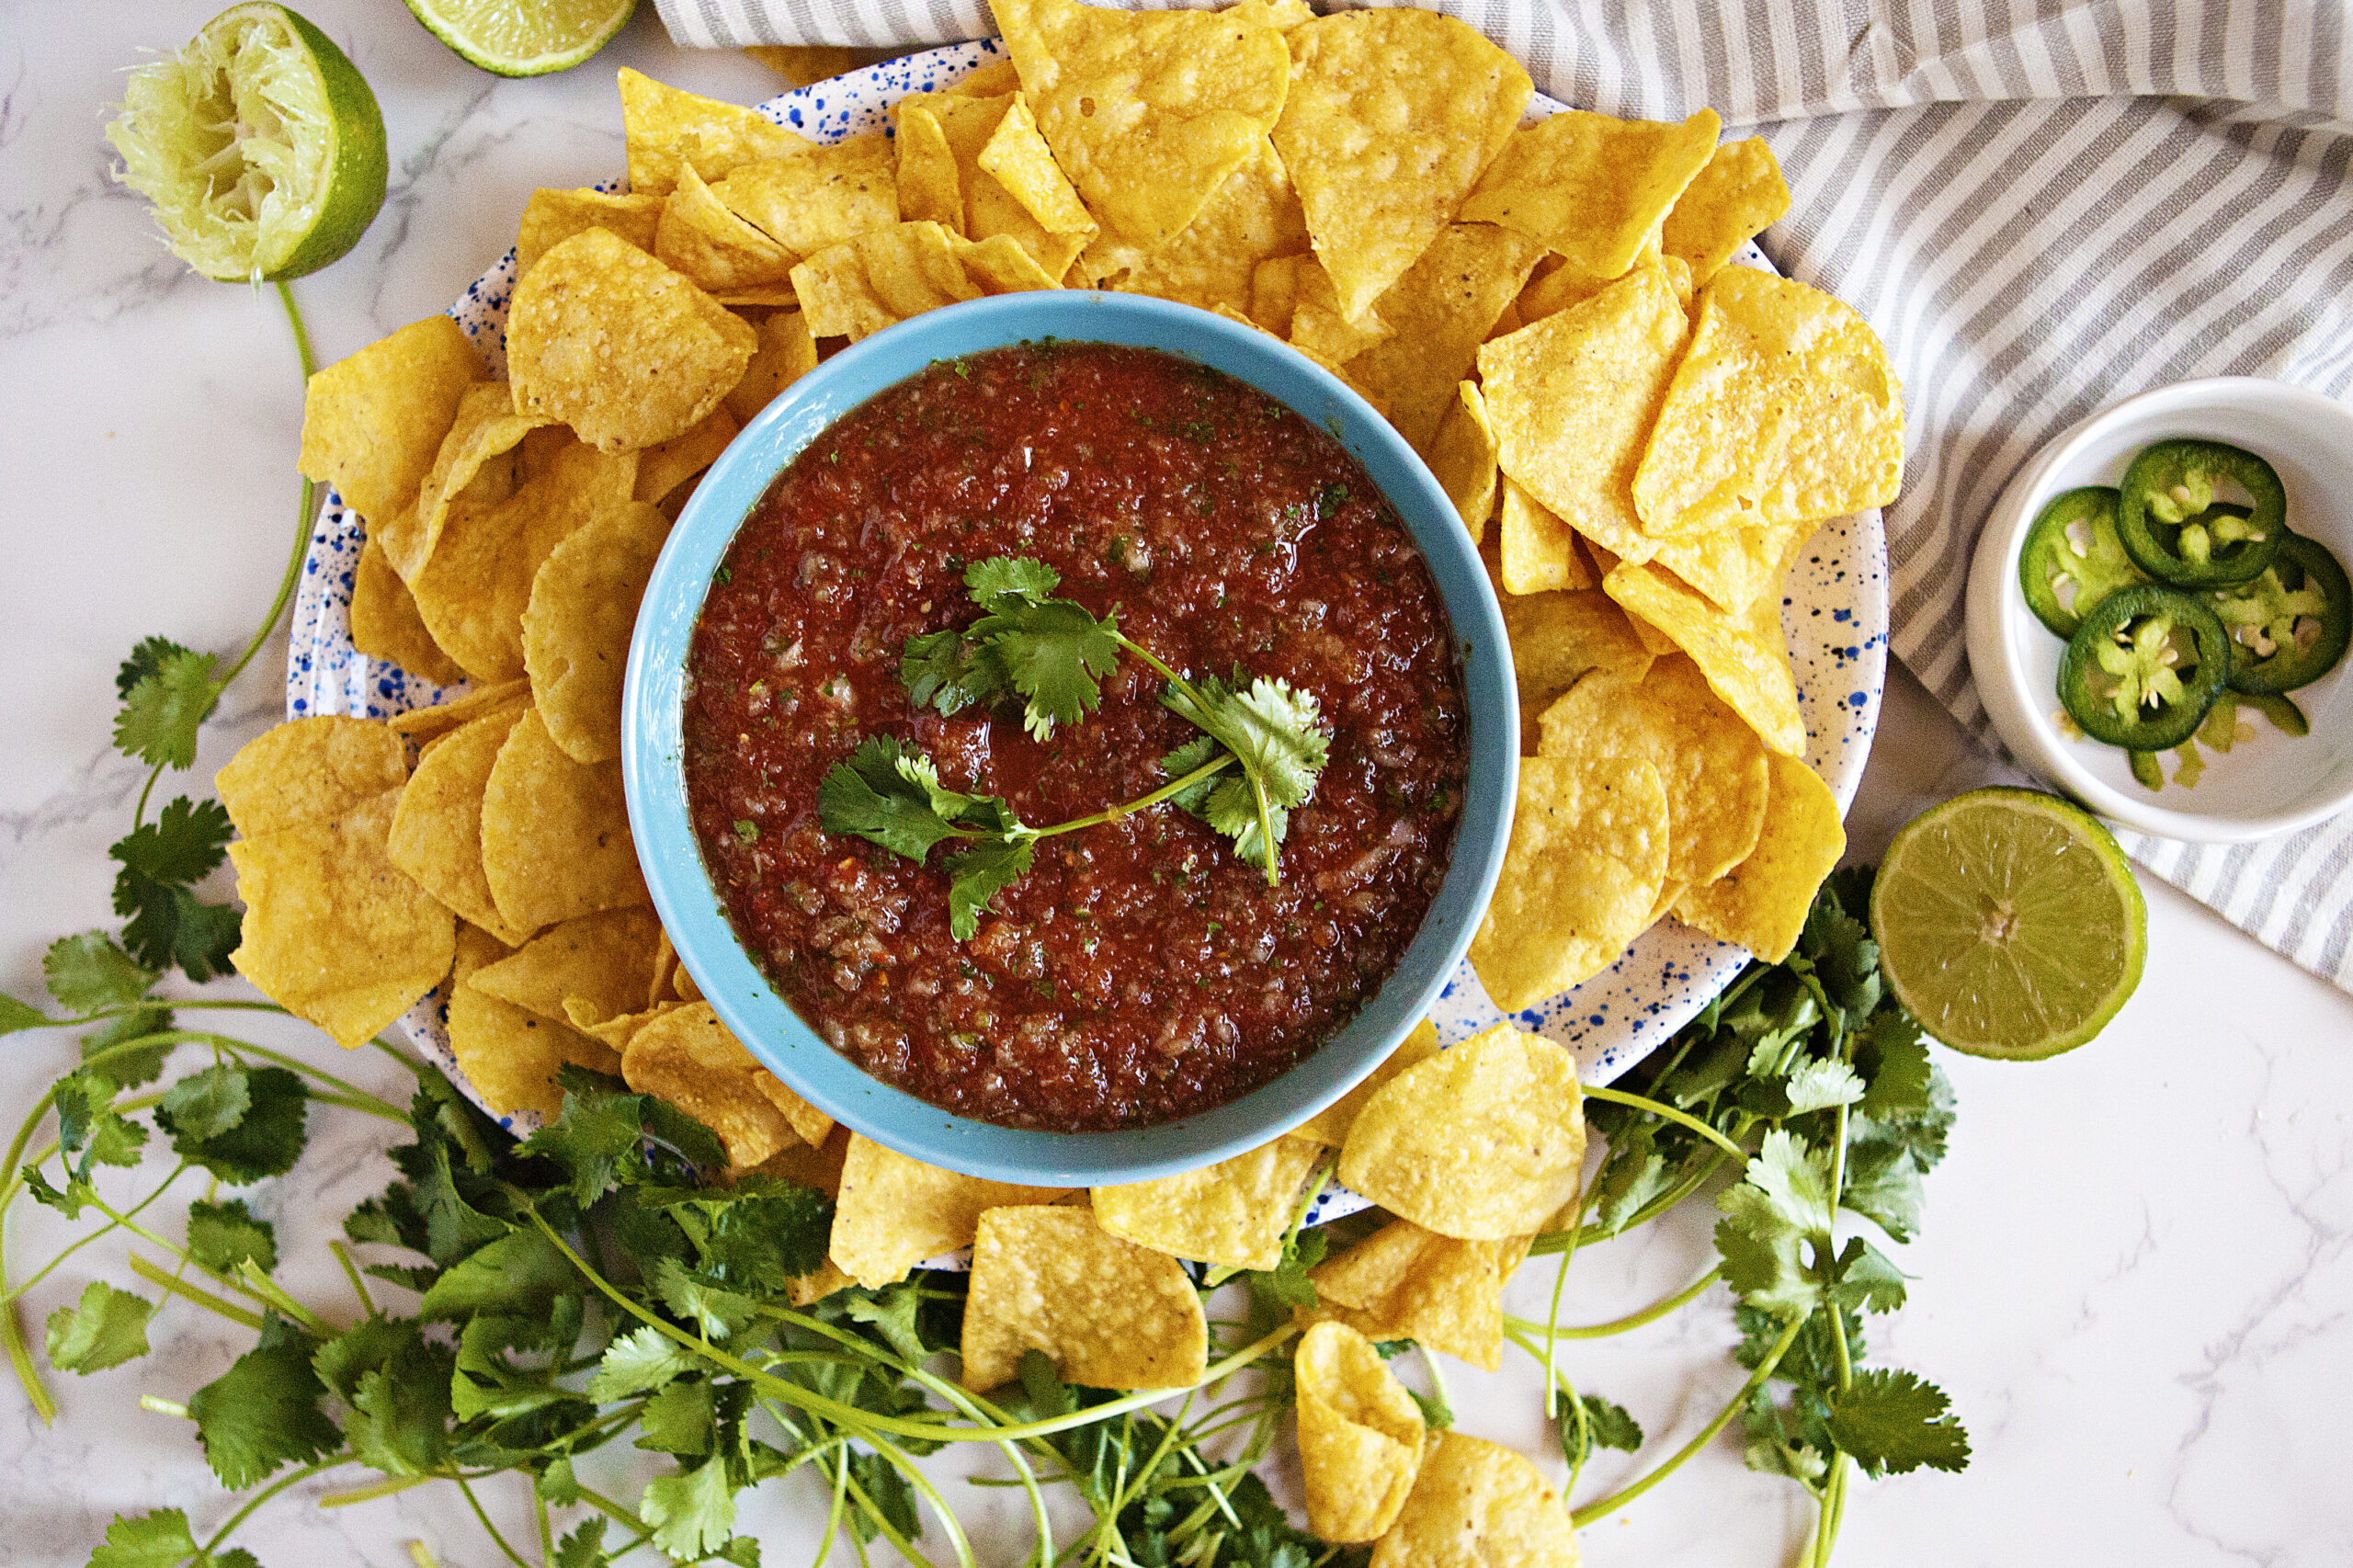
[{"x": 1141, "y": 972}]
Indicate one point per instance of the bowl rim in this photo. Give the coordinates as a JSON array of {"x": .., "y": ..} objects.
[
  {"x": 1995, "y": 610},
  {"x": 688, "y": 905}
]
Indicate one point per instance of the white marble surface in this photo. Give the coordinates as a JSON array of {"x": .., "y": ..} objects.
[{"x": 2137, "y": 1277}]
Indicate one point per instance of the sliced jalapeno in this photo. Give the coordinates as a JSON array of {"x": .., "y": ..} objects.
[
  {"x": 2283, "y": 712},
  {"x": 2291, "y": 625},
  {"x": 2073, "y": 559},
  {"x": 2174, "y": 530},
  {"x": 2145, "y": 771},
  {"x": 2143, "y": 669}
]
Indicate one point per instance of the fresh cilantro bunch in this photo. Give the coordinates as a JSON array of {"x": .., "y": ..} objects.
[{"x": 1051, "y": 653}]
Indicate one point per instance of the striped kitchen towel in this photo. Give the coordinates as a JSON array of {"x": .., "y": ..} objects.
[{"x": 2042, "y": 205}]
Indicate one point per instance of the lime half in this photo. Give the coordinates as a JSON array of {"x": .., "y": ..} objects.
[
  {"x": 260, "y": 145},
  {"x": 523, "y": 37},
  {"x": 2009, "y": 923}
]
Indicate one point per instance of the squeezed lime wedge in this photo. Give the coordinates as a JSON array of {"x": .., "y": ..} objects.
[
  {"x": 2010, "y": 924},
  {"x": 260, "y": 145}
]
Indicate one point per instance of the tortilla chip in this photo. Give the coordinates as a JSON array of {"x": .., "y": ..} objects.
[
  {"x": 1403, "y": 1282},
  {"x": 1147, "y": 111},
  {"x": 1274, "y": 292},
  {"x": 813, "y": 1126},
  {"x": 666, "y": 972},
  {"x": 1462, "y": 459},
  {"x": 1572, "y": 399},
  {"x": 1593, "y": 188},
  {"x": 999, "y": 265},
  {"x": 1556, "y": 639},
  {"x": 1016, "y": 156},
  {"x": 785, "y": 353},
  {"x": 1587, "y": 859},
  {"x": 1439, "y": 313},
  {"x": 555, "y": 840},
  {"x": 1735, "y": 197},
  {"x": 801, "y": 64},
  {"x": 1784, "y": 411},
  {"x": 422, "y": 726},
  {"x": 1318, "y": 326},
  {"x": 863, "y": 285},
  {"x": 1393, "y": 116},
  {"x": 894, "y": 1212},
  {"x": 309, "y": 770},
  {"x": 552, "y": 216},
  {"x": 1250, "y": 218},
  {"x": 612, "y": 343},
  {"x": 1483, "y": 1142},
  {"x": 1734, "y": 566},
  {"x": 619, "y": 1030},
  {"x": 663, "y": 469},
  {"x": 436, "y": 832},
  {"x": 508, "y": 1054},
  {"x": 333, "y": 932},
  {"x": 667, "y": 128},
  {"x": 1761, "y": 903},
  {"x": 1360, "y": 1435},
  {"x": 1330, "y": 1126},
  {"x": 583, "y": 972},
  {"x": 576, "y": 633},
  {"x": 818, "y": 198},
  {"x": 698, "y": 237},
  {"x": 1536, "y": 551},
  {"x": 1710, "y": 763},
  {"x": 1478, "y": 1505},
  {"x": 1233, "y": 1213},
  {"x": 1743, "y": 656},
  {"x": 373, "y": 423},
  {"x": 476, "y": 466},
  {"x": 1109, "y": 1313},
  {"x": 385, "y": 624},
  {"x": 688, "y": 1057}
]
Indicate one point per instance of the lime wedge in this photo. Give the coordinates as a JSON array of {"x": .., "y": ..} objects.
[
  {"x": 260, "y": 145},
  {"x": 523, "y": 37},
  {"x": 2009, "y": 923}
]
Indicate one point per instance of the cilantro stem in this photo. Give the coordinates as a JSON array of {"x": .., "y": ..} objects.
[
  {"x": 1257, "y": 785},
  {"x": 488, "y": 1528},
  {"x": 882, "y": 1526},
  {"x": 293, "y": 1478},
  {"x": 351, "y": 1272},
  {"x": 157, "y": 1405},
  {"x": 220, "y": 1305},
  {"x": 1619, "y": 1499},
  {"x": 293, "y": 574},
  {"x": 1647, "y": 1315},
  {"x": 1638, "y": 1102},
  {"x": 88, "y": 1237},
  {"x": 1114, "y": 813},
  {"x": 391, "y": 1485},
  {"x": 269, "y": 1290}
]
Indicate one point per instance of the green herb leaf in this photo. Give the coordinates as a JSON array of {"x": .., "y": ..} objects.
[
  {"x": 946, "y": 671},
  {"x": 262, "y": 1413},
  {"x": 584, "y": 1547},
  {"x": 639, "y": 1362},
  {"x": 17, "y": 1016},
  {"x": 519, "y": 1275},
  {"x": 89, "y": 972},
  {"x": 265, "y": 1140},
  {"x": 222, "y": 1235},
  {"x": 170, "y": 694},
  {"x": 692, "y": 1513},
  {"x": 1893, "y": 1422},
  {"x": 160, "y": 1539},
  {"x": 168, "y": 924},
  {"x": 713, "y": 1309},
  {"x": 1009, "y": 582},
  {"x": 978, "y": 875},
  {"x": 1819, "y": 1083},
  {"x": 1883, "y": 1182},
  {"x": 678, "y": 1420},
  {"x": 1275, "y": 732},
  {"x": 106, "y": 1328},
  {"x": 206, "y": 1104},
  {"x": 893, "y": 797},
  {"x": 1055, "y": 655},
  {"x": 1605, "y": 1425},
  {"x": 891, "y": 1494},
  {"x": 131, "y": 1068}
]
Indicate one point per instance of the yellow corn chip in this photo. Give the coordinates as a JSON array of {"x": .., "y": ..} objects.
[
  {"x": 476, "y": 465},
  {"x": 626, "y": 351},
  {"x": 688, "y": 1057},
  {"x": 385, "y": 624},
  {"x": 1146, "y": 111},
  {"x": 1478, "y": 1505},
  {"x": 510, "y": 1055},
  {"x": 1556, "y": 639},
  {"x": 1233, "y": 1213},
  {"x": 1710, "y": 763},
  {"x": 576, "y": 630},
  {"x": 1784, "y": 411},
  {"x": 437, "y": 833},
  {"x": 1761, "y": 903},
  {"x": 1572, "y": 398},
  {"x": 1317, "y": 325},
  {"x": 309, "y": 770},
  {"x": 666, "y": 972},
  {"x": 423, "y": 726},
  {"x": 1360, "y": 1435},
  {"x": 785, "y": 353},
  {"x": 893, "y": 1212},
  {"x": 803, "y": 63},
  {"x": 1439, "y": 313},
  {"x": 818, "y": 198},
  {"x": 333, "y": 932},
  {"x": 667, "y": 127},
  {"x": 1109, "y": 1313},
  {"x": 1274, "y": 292},
  {"x": 1462, "y": 459},
  {"x": 929, "y": 189},
  {"x": 698, "y": 237},
  {"x": 663, "y": 469},
  {"x": 1537, "y": 552},
  {"x": 1733, "y": 566},
  {"x": 1331, "y": 1124},
  {"x": 585, "y": 971},
  {"x": 555, "y": 840},
  {"x": 1392, "y": 115},
  {"x": 864, "y": 285},
  {"x": 979, "y": 204},
  {"x": 619, "y": 1030},
  {"x": 813, "y": 1126},
  {"x": 1251, "y": 217},
  {"x": 551, "y": 216},
  {"x": 1743, "y": 656},
  {"x": 1480, "y": 1142},
  {"x": 1403, "y": 1282},
  {"x": 1592, "y": 188},
  {"x": 1587, "y": 859},
  {"x": 373, "y": 423},
  {"x": 1735, "y": 197},
  {"x": 1282, "y": 13},
  {"x": 998, "y": 264},
  {"x": 1016, "y": 157}
]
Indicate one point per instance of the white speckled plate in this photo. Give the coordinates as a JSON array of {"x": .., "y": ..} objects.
[{"x": 1833, "y": 612}]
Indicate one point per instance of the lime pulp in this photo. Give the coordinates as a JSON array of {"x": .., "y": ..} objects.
[{"x": 523, "y": 37}]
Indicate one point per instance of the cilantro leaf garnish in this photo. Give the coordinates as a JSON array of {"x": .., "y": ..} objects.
[
  {"x": 104, "y": 1328},
  {"x": 160, "y": 1539},
  {"x": 893, "y": 797},
  {"x": 161, "y": 861},
  {"x": 170, "y": 693},
  {"x": 89, "y": 972},
  {"x": 222, "y": 1235},
  {"x": 262, "y": 1413},
  {"x": 1893, "y": 1422}
]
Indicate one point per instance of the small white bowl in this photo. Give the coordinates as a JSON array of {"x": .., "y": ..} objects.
[{"x": 2268, "y": 785}]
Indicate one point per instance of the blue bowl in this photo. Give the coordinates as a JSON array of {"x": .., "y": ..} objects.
[{"x": 693, "y": 913}]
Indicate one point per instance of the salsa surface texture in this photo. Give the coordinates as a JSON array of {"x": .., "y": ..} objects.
[{"x": 1141, "y": 972}]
